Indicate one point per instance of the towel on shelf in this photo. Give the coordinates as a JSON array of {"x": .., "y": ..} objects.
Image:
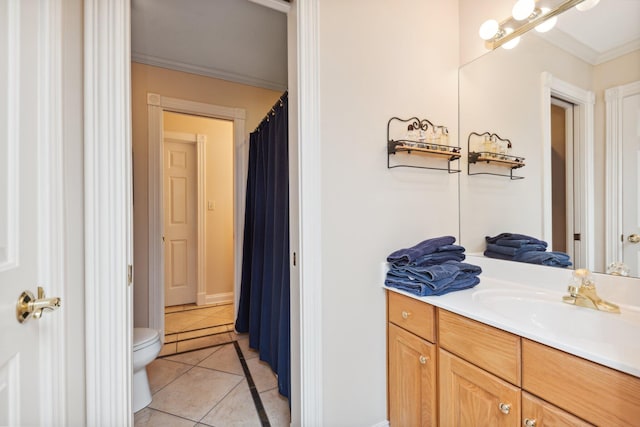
[
  {"x": 426, "y": 247},
  {"x": 518, "y": 243},
  {"x": 423, "y": 289},
  {"x": 498, "y": 255},
  {"x": 512, "y": 251},
  {"x": 553, "y": 259},
  {"x": 442, "y": 254},
  {"x": 515, "y": 237}
]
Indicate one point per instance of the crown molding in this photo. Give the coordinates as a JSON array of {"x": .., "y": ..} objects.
[
  {"x": 584, "y": 52},
  {"x": 279, "y": 5},
  {"x": 207, "y": 71}
]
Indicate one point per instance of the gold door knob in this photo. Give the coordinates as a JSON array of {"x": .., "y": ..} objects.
[
  {"x": 29, "y": 306},
  {"x": 405, "y": 315},
  {"x": 528, "y": 422},
  {"x": 505, "y": 408},
  {"x": 423, "y": 359},
  {"x": 634, "y": 238}
]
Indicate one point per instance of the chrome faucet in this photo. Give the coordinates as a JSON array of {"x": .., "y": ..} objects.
[{"x": 582, "y": 292}]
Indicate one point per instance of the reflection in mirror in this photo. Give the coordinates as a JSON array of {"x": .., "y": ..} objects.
[{"x": 547, "y": 96}]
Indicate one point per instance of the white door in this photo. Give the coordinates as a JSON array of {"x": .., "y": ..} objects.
[
  {"x": 24, "y": 212},
  {"x": 631, "y": 183},
  {"x": 180, "y": 222}
]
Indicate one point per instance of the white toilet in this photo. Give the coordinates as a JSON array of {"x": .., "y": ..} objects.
[{"x": 146, "y": 346}]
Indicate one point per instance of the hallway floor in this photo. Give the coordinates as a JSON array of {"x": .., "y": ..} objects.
[
  {"x": 191, "y": 327},
  {"x": 208, "y": 387}
]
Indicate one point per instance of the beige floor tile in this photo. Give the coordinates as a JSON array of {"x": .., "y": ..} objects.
[
  {"x": 247, "y": 352},
  {"x": 202, "y": 328},
  {"x": 162, "y": 372},
  {"x": 225, "y": 360},
  {"x": 169, "y": 348},
  {"x": 193, "y": 357},
  {"x": 235, "y": 410},
  {"x": 263, "y": 376},
  {"x": 277, "y": 408},
  {"x": 195, "y": 393},
  {"x": 151, "y": 418},
  {"x": 198, "y": 343},
  {"x": 223, "y": 311},
  {"x": 178, "y": 322}
]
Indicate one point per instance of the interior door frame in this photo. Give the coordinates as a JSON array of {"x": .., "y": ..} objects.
[
  {"x": 583, "y": 101},
  {"x": 156, "y": 106},
  {"x": 108, "y": 219},
  {"x": 614, "y": 98},
  {"x": 201, "y": 229}
]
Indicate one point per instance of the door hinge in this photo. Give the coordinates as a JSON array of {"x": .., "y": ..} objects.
[
  {"x": 129, "y": 274},
  {"x": 576, "y": 236},
  {"x": 294, "y": 259}
]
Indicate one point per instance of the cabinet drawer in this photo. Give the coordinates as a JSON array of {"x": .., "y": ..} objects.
[
  {"x": 490, "y": 348},
  {"x": 538, "y": 413},
  {"x": 598, "y": 394},
  {"x": 413, "y": 315}
]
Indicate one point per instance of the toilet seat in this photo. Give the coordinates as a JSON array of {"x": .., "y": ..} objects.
[{"x": 144, "y": 337}]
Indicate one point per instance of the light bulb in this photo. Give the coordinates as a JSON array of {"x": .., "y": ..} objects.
[
  {"x": 548, "y": 24},
  {"x": 488, "y": 29},
  {"x": 511, "y": 43},
  {"x": 587, "y": 4},
  {"x": 523, "y": 9}
]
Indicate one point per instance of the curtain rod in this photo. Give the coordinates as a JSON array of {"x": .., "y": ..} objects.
[{"x": 272, "y": 111}]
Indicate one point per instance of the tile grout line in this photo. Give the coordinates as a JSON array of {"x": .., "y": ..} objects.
[{"x": 257, "y": 401}]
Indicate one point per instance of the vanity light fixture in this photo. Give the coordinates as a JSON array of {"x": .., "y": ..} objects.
[{"x": 526, "y": 15}]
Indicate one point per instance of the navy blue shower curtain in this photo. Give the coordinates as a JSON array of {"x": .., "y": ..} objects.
[{"x": 264, "y": 294}]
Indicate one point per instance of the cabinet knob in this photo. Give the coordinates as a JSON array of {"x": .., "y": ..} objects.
[
  {"x": 423, "y": 359},
  {"x": 528, "y": 422},
  {"x": 505, "y": 408},
  {"x": 405, "y": 315}
]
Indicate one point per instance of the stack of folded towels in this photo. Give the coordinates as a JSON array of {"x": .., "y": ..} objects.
[
  {"x": 431, "y": 267},
  {"x": 523, "y": 248}
]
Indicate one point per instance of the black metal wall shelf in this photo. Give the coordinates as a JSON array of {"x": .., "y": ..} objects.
[
  {"x": 429, "y": 148},
  {"x": 493, "y": 158}
]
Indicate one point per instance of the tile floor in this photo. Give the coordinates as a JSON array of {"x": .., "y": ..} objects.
[
  {"x": 190, "y": 327},
  {"x": 207, "y": 387}
]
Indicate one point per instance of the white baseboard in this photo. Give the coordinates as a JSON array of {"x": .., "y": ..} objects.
[
  {"x": 222, "y": 298},
  {"x": 381, "y": 424}
]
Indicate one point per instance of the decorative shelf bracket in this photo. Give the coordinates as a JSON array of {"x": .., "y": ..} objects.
[
  {"x": 420, "y": 137},
  {"x": 492, "y": 150}
]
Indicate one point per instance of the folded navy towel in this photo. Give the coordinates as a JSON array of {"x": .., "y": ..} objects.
[
  {"x": 515, "y": 236},
  {"x": 465, "y": 267},
  {"x": 518, "y": 243},
  {"x": 425, "y": 247},
  {"x": 436, "y": 258},
  {"x": 464, "y": 281},
  {"x": 511, "y": 251},
  {"x": 497, "y": 255},
  {"x": 434, "y": 275},
  {"x": 554, "y": 259}
]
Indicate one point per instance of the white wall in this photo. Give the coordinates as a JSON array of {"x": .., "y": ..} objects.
[{"x": 378, "y": 59}]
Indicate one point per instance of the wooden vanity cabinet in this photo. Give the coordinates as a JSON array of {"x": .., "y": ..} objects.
[
  {"x": 411, "y": 362},
  {"x": 448, "y": 370},
  {"x": 470, "y": 396}
]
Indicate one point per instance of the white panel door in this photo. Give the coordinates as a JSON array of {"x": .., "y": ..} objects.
[
  {"x": 180, "y": 222},
  {"x": 631, "y": 183},
  {"x": 23, "y": 164}
]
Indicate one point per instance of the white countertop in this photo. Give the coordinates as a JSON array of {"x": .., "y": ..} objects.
[{"x": 527, "y": 301}]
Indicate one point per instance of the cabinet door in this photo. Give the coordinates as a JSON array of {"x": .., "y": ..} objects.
[
  {"x": 412, "y": 379},
  {"x": 538, "y": 413},
  {"x": 470, "y": 396}
]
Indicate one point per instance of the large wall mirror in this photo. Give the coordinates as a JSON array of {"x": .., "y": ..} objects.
[{"x": 569, "y": 102}]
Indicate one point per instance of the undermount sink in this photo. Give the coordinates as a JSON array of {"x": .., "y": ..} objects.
[{"x": 546, "y": 311}]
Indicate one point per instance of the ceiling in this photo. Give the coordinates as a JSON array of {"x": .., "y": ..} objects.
[
  {"x": 610, "y": 29},
  {"x": 235, "y": 40}
]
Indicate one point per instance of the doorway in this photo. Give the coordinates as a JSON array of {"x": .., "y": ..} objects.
[
  {"x": 198, "y": 210},
  {"x": 564, "y": 234}
]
